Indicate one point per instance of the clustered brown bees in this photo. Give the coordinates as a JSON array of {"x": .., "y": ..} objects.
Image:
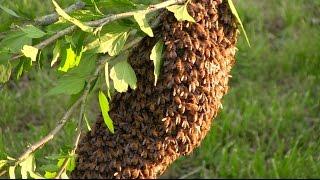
[{"x": 154, "y": 125}]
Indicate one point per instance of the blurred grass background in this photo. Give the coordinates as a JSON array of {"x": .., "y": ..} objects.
[{"x": 269, "y": 126}]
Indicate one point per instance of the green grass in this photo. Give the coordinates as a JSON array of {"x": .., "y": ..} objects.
[{"x": 269, "y": 126}]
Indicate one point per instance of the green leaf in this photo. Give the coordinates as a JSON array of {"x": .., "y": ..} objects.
[
  {"x": 30, "y": 52},
  {"x": 33, "y": 32},
  {"x": 68, "y": 85},
  {"x": 235, "y": 13},
  {"x": 50, "y": 175},
  {"x": 112, "y": 43},
  {"x": 56, "y": 53},
  {"x": 143, "y": 23},
  {"x": 5, "y": 72},
  {"x": 123, "y": 76},
  {"x": 76, "y": 22},
  {"x": 14, "y": 41},
  {"x": 156, "y": 57},
  {"x": 9, "y": 11},
  {"x": 11, "y": 172},
  {"x": 104, "y": 105},
  {"x": 181, "y": 12},
  {"x": 72, "y": 60}
]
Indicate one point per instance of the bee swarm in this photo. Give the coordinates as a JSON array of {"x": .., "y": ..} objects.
[{"x": 154, "y": 125}]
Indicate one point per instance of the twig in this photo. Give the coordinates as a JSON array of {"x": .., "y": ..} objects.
[
  {"x": 103, "y": 21},
  {"x": 54, "y": 17}
]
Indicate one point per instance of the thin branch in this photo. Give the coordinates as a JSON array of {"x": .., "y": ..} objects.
[
  {"x": 54, "y": 17},
  {"x": 100, "y": 22}
]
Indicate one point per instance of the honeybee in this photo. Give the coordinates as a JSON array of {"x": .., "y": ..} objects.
[
  {"x": 185, "y": 124},
  {"x": 135, "y": 173}
]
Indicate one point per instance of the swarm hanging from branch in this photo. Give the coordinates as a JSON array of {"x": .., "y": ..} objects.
[{"x": 154, "y": 125}]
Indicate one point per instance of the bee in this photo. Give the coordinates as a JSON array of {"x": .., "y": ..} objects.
[
  {"x": 146, "y": 172},
  {"x": 135, "y": 173},
  {"x": 200, "y": 30},
  {"x": 177, "y": 80},
  {"x": 192, "y": 58},
  {"x": 185, "y": 124},
  {"x": 196, "y": 44},
  {"x": 177, "y": 100},
  {"x": 178, "y": 119},
  {"x": 179, "y": 65},
  {"x": 193, "y": 108}
]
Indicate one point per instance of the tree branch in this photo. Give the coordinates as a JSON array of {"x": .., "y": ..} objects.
[
  {"x": 54, "y": 17},
  {"x": 101, "y": 22}
]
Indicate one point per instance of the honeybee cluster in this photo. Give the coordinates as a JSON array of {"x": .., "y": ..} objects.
[{"x": 154, "y": 125}]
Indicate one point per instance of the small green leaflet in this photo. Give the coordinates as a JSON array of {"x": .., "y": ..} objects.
[
  {"x": 12, "y": 174},
  {"x": 143, "y": 23},
  {"x": 9, "y": 11},
  {"x": 5, "y": 72},
  {"x": 235, "y": 13},
  {"x": 76, "y": 22},
  {"x": 72, "y": 60},
  {"x": 156, "y": 57},
  {"x": 104, "y": 105},
  {"x": 123, "y": 76},
  {"x": 33, "y": 32},
  {"x": 56, "y": 53},
  {"x": 181, "y": 12},
  {"x": 30, "y": 52}
]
